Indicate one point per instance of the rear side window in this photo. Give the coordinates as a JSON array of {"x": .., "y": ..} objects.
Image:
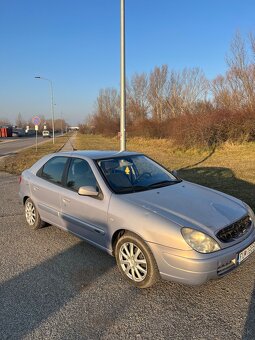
[{"x": 53, "y": 170}]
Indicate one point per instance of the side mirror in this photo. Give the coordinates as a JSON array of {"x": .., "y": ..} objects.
[{"x": 88, "y": 191}]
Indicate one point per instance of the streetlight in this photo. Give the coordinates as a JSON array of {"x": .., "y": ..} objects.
[
  {"x": 61, "y": 116},
  {"x": 52, "y": 106},
  {"x": 122, "y": 78}
]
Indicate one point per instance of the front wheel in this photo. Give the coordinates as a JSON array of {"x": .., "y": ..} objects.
[
  {"x": 33, "y": 218},
  {"x": 136, "y": 261}
]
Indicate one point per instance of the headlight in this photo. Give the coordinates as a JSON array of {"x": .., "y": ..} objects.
[{"x": 199, "y": 241}]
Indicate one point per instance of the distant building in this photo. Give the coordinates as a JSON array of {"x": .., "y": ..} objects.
[{"x": 73, "y": 128}]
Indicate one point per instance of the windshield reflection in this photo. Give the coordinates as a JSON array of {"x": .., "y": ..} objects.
[{"x": 135, "y": 173}]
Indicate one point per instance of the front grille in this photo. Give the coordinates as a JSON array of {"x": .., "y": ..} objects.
[{"x": 235, "y": 230}]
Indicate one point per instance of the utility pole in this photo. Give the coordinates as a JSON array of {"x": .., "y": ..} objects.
[
  {"x": 61, "y": 116},
  {"x": 122, "y": 78}
]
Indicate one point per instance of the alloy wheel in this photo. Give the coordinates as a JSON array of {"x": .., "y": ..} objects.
[
  {"x": 30, "y": 213},
  {"x": 133, "y": 261}
]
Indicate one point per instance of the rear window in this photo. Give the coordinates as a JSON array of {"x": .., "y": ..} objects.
[{"x": 53, "y": 170}]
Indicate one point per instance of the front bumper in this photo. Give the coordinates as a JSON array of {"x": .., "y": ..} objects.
[{"x": 193, "y": 268}]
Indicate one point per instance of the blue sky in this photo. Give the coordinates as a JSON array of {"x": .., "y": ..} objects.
[{"x": 76, "y": 44}]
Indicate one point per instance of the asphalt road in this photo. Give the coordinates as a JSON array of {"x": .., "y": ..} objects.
[
  {"x": 12, "y": 145},
  {"x": 55, "y": 286}
]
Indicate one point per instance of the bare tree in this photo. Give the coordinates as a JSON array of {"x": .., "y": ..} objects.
[
  {"x": 177, "y": 103},
  {"x": 222, "y": 94},
  {"x": 20, "y": 122},
  {"x": 137, "y": 97},
  {"x": 4, "y": 121},
  {"x": 241, "y": 75},
  {"x": 107, "y": 108},
  {"x": 252, "y": 43},
  {"x": 158, "y": 92},
  {"x": 186, "y": 88},
  {"x": 108, "y": 103}
]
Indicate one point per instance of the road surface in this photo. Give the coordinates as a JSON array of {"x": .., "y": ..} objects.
[
  {"x": 55, "y": 286},
  {"x": 12, "y": 145}
]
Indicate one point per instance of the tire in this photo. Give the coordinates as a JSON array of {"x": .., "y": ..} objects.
[
  {"x": 32, "y": 216},
  {"x": 138, "y": 266}
]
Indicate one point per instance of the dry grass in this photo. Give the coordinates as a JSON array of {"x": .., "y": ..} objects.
[
  {"x": 24, "y": 159},
  {"x": 230, "y": 168}
]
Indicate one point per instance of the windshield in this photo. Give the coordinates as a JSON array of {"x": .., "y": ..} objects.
[{"x": 134, "y": 173}]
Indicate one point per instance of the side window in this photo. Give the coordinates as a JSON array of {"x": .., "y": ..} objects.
[
  {"x": 53, "y": 170},
  {"x": 80, "y": 174}
]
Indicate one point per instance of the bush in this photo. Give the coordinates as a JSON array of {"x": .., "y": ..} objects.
[
  {"x": 212, "y": 128},
  {"x": 206, "y": 129}
]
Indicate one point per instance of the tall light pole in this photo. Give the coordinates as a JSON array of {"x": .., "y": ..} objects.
[
  {"x": 52, "y": 106},
  {"x": 122, "y": 78},
  {"x": 61, "y": 116}
]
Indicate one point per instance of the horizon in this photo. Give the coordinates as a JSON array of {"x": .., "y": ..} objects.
[{"x": 77, "y": 46}]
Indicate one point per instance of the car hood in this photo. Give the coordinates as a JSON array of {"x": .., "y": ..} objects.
[{"x": 190, "y": 205}]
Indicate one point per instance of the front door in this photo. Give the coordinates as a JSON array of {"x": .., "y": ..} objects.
[{"x": 83, "y": 215}]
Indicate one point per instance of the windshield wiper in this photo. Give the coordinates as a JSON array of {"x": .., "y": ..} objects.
[
  {"x": 129, "y": 190},
  {"x": 163, "y": 183},
  {"x": 139, "y": 188}
]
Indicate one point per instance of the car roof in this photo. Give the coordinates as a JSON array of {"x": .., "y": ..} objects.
[{"x": 97, "y": 154}]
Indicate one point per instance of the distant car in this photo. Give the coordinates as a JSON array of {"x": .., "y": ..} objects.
[
  {"x": 18, "y": 132},
  {"x": 30, "y": 133},
  {"x": 154, "y": 223},
  {"x": 46, "y": 133}
]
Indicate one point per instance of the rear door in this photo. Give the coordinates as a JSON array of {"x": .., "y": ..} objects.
[
  {"x": 45, "y": 189},
  {"x": 83, "y": 215}
]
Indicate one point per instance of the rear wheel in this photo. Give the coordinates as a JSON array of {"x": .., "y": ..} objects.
[
  {"x": 33, "y": 218},
  {"x": 136, "y": 261}
]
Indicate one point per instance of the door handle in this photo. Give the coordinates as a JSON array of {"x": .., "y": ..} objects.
[
  {"x": 35, "y": 188},
  {"x": 66, "y": 200}
]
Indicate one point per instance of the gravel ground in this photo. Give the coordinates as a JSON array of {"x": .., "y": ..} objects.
[{"x": 54, "y": 286}]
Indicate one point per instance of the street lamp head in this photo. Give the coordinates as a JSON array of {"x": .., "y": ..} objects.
[{"x": 37, "y": 77}]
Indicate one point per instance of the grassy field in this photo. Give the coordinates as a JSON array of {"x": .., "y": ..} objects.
[
  {"x": 24, "y": 159},
  {"x": 229, "y": 168}
]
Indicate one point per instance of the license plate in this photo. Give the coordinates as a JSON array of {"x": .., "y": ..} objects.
[{"x": 246, "y": 252}]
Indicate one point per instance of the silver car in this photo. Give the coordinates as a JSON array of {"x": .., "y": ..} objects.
[{"x": 154, "y": 223}]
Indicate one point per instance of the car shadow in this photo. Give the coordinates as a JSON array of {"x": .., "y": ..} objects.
[
  {"x": 31, "y": 297},
  {"x": 200, "y": 162},
  {"x": 223, "y": 179}
]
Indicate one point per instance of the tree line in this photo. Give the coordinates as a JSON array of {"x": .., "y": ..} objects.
[
  {"x": 184, "y": 105},
  {"x": 59, "y": 123}
]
